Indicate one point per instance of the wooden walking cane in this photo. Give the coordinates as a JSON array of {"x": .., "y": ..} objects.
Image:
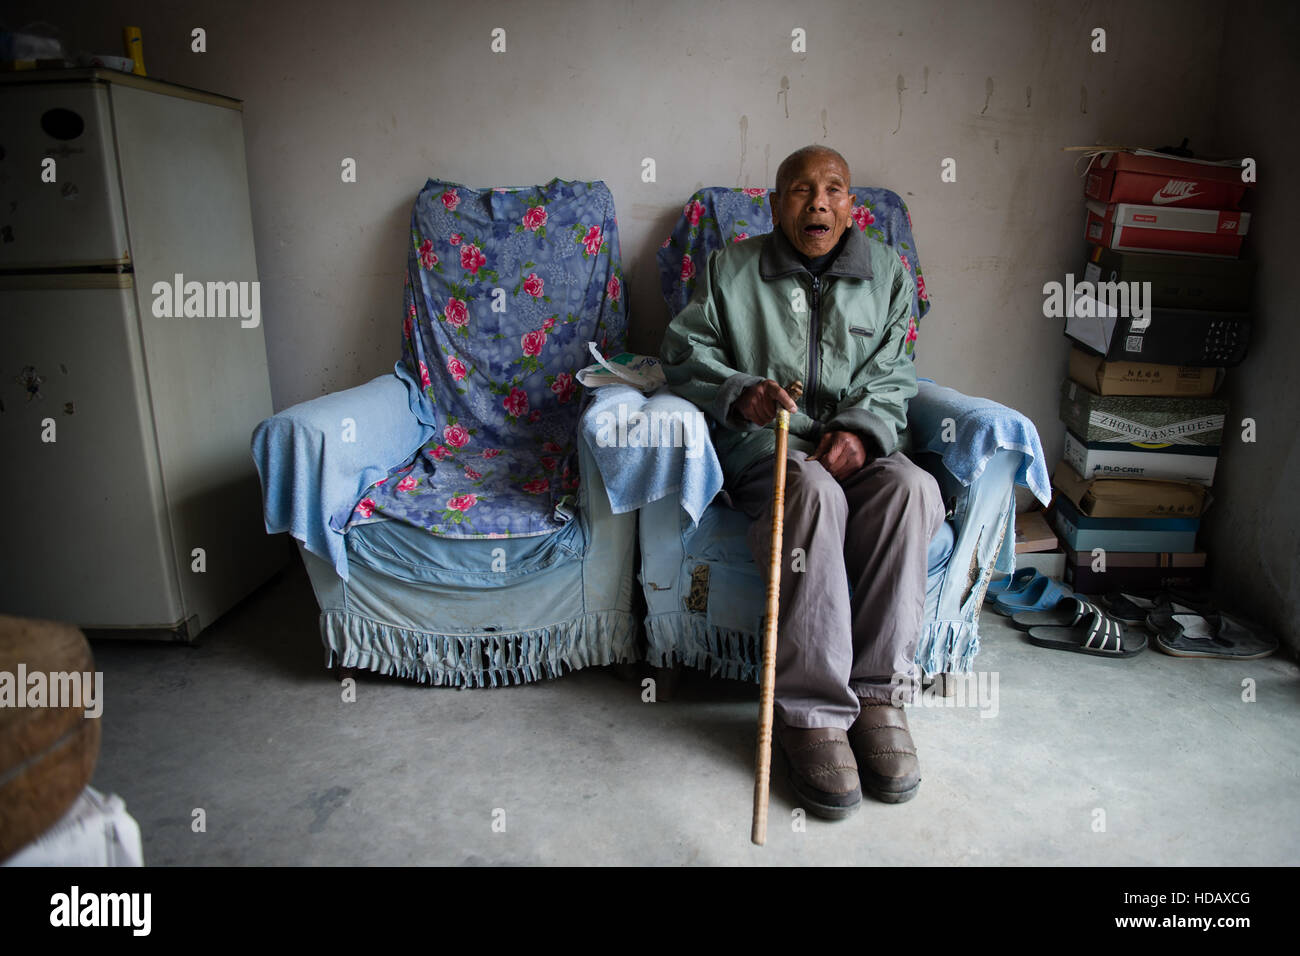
[{"x": 767, "y": 681}]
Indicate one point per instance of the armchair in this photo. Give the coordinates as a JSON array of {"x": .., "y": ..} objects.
[
  {"x": 703, "y": 592},
  {"x": 453, "y": 526}
]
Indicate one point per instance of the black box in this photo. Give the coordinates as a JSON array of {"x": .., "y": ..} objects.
[
  {"x": 1178, "y": 282},
  {"x": 1171, "y": 337}
]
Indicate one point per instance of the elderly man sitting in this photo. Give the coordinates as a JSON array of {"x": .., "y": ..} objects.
[{"x": 820, "y": 302}]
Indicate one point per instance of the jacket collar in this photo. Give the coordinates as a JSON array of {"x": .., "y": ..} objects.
[{"x": 779, "y": 258}]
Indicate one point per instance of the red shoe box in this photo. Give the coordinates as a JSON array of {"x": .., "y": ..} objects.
[
  {"x": 1156, "y": 179},
  {"x": 1198, "y": 232}
]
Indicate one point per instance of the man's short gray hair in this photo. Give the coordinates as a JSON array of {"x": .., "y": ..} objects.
[{"x": 792, "y": 162}]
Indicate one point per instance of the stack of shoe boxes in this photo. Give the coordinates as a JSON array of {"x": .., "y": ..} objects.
[{"x": 1162, "y": 310}]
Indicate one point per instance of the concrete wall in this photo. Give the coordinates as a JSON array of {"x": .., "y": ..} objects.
[
  {"x": 712, "y": 91},
  {"x": 1253, "y": 530},
  {"x": 588, "y": 89}
]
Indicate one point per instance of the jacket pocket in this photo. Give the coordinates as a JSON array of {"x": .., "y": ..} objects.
[{"x": 861, "y": 331}]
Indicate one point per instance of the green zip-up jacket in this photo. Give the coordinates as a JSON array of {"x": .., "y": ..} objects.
[{"x": 757, "y": 313}]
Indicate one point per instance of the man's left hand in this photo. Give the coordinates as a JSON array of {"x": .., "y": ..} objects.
[{"x": 841, "y": 453}]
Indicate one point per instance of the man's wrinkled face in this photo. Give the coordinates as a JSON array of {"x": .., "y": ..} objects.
[{"x": 816, "y": 206}]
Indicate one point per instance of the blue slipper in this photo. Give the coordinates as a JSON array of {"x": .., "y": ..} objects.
[
  {"x": 1042, "y": 594},
  {"x": 1012, "y": 583}
]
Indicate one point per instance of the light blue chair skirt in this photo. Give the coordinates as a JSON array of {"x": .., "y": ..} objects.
[
  {"x": 483, "y": 612},
  {"x": 705, "y": 595}
]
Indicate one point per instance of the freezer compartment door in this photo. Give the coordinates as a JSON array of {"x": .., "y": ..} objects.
[
  {"x": 60, "y": 198},
  {"x": 86, "y": 527}
]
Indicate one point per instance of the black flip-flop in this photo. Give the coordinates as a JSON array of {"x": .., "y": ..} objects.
[
  {"x": 1065, "y": 613},
  {"x": 1199, "y": 601},
  {"x": 1182, "y": 631},
  {"x": 1129, "y": 607},
  {"x": 1094, "y": 634}
]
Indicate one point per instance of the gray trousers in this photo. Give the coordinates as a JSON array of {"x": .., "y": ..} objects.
[{"x": 871, "y": 533}]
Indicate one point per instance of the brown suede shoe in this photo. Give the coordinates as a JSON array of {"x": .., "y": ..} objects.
[
  {"x": 822, "y": 770},
  {"x": 885, "y": 753}
]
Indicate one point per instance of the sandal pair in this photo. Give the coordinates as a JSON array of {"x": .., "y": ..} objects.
[
  {"x": 1188, "y": 631},
  {"x": 1038, "y": 593},
  {"x": 1133, "y": 607},
  {"x": 1082, "y": 627},
  {"x": 1189, "y": 624},
  {"x": 1012, "y": 583}
]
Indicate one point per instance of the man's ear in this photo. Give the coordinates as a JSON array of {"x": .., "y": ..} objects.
[{"x": 771, "y": 201}]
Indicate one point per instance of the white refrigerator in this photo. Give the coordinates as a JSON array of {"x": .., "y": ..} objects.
[{"x": 131, "y": 501}]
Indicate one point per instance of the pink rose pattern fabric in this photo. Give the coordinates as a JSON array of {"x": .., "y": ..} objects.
[
  {"x": 504, "y": 289},
  {"x": 719, "y": 215}
]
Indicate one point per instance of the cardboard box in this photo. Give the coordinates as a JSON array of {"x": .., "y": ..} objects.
[
  {"x": 1147, "y": 422},
  {"x": 1165, "y": 337},
  {"x": 1136, "y": 571},
  {"x": 1144, "y": 176},
  {"x": 1079, "y": 533},
  {"x": 1130, "y": 497},
  {"x": 1177, "y": 282},
  {"x": 1094, "y": 372},
  {"x": 1194, "y": 463},
  {"x": 1198, "y": 232},
  {"x": 1033, "y": 533}
]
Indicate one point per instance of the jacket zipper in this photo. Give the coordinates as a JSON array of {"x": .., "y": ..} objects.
[{"x": 814, "y": 348}]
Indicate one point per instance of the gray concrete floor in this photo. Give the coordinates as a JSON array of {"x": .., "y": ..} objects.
[{"x": 1151, "y": 761}]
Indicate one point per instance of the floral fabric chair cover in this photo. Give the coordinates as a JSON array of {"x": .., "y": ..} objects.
[
  {"x": 504, "y": 289},
  {"x": 717, "y": 215}
]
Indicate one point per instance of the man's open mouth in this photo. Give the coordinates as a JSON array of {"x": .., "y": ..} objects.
[{"x": 816, "y": 229}]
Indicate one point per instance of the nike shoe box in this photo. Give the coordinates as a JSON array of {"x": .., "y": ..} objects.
[
  {"x": 1178, "y": 282},
  {"x": 1125, "y": 460},
  {"x": 1157, "y": 179},
  {"x": 1143, "y": 421},
  {"x": 1165, "y": 337},
  {"x": 1098, "y": 375},
  {"x": 1135, "y": 571},
  {"x": 1133, "y": 228},
  {"x": 1130, "y": 497},
  {"x": 1079, "y": 533}
]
